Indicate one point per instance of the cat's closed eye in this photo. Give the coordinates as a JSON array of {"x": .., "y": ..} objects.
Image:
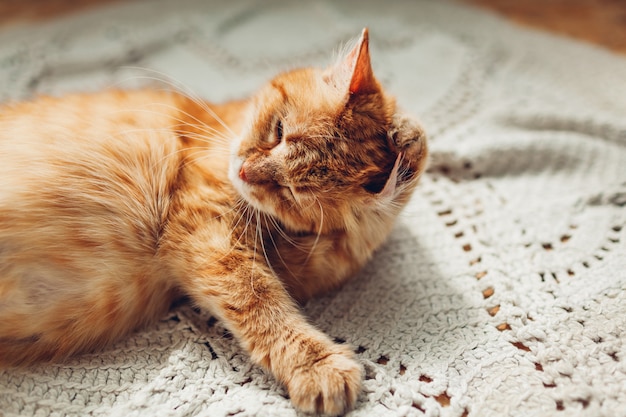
[{"x": 278, "y": 131}]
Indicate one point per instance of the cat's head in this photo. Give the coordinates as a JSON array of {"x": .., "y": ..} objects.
[{"x": 325, "y": 147}]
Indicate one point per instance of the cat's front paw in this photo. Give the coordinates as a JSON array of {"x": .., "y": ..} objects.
[
  {"x": 407, "y": 136},
  {"x": 405, "y": 132},
  {"x": 329, "y": 386}
]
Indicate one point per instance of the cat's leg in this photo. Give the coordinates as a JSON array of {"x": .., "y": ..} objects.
[{"x": 320, "y": 375}]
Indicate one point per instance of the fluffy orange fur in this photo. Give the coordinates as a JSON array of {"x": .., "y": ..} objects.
[{"x": 115, "y": 203}]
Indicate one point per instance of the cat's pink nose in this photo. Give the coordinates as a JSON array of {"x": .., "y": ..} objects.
[{"x": 242, "y": 174}]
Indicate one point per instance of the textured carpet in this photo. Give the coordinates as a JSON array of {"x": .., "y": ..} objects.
[{"x": 502, "y": 288}]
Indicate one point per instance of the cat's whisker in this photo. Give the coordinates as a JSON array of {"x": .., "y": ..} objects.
[
  {"x": 285, "y": 236},
  {"x": 176, "y": 84},
  {"x": 213, "y": 133},
  {"x": 163, "y": 79},
  {"x": 282, "y": 233},
  {"x": 319, "y": 231},
  {"x": 262, "y": 240},
  {"x": 208, "y": 131},
  {"x": 314, "y": 200},
  {"x": 244, "y": 211},
  {"x": 186, "y": 159},
  {"x": 201, "y": 125},
  {"x": 238, "y": 205},
  {"x": 205, "y": 139},
  {"x": 200, "y": 154},
  {"x": 206, "y": 127},
  {"x": 210, "y": 151},
  {"x": 191, "y": 135},
  {"x": 257, "y": 236},
  {"x": 247, "y": 213},
  {"x": 277, "y": 250}
]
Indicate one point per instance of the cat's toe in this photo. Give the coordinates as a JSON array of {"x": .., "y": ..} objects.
[
  {"x": 406, "y": 132},
  {"x": 330, "y": 386}
]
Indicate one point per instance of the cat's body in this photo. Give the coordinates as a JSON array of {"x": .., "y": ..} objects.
[{"x": 113, "y": 204}]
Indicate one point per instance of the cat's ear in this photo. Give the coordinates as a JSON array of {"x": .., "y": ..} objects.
[
  {"x": 389, "y": 190},
  {"x": 353, "y": 74},
  {"x": 362, "y": 79}
]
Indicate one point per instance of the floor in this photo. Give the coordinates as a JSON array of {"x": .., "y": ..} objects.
[{"x": 602, "y": 22}]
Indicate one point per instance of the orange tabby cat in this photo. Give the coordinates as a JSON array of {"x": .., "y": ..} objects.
[{"x": 114, "y": 203}]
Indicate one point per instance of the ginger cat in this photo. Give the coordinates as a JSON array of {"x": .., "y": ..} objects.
[{"x": 112, "y": 204}]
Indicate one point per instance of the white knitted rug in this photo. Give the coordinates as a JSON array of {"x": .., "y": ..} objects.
[{"x": 502, "y": 288}]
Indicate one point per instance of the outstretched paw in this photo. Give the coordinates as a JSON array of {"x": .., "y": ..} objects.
[{"x": 330, "y": 385}]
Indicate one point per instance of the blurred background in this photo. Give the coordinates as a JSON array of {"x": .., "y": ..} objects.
[{"x": 602, "y": 22}]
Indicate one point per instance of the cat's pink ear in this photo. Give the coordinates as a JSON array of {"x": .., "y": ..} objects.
[
  {"x": 389, "y": 190},
  {"x": 354, "y": 73},
  {"x": 362, "y": 79}
]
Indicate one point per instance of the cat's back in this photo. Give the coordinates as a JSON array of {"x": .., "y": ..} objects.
[
  {"x": 56, "y": 126},
  {"x": 88, "y": 161},
  {"x": 86, "y": 185},
  {"x": 110, "y": 154}
]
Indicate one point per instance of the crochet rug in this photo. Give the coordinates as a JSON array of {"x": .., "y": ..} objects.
[{"x": 501, "y": 290}]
